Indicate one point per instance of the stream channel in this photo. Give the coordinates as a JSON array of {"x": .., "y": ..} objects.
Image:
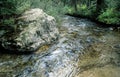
[{"x": 83, "y": 50}]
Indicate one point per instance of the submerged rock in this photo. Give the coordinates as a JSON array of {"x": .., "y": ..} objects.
[{"x": 33, "y": 29}]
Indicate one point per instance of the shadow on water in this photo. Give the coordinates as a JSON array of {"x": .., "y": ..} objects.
[{"x": 5, "y": 51}]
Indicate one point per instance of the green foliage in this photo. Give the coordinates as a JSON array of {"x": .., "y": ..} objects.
[
  {"x": 9, "y": 21},
  {"x": 69, "y": 9},
  {"x": 81, "y": 7},
  {"x": 106, "y": 11},
  {"x": 110, "y": 16},
  {"x": 52, "y": 7},
  {"x": 112, "y": 3},
  {"x": 9, "y": 9},
  {"x": 22, "y": 5},
  {"x": 85, "y": 10}
]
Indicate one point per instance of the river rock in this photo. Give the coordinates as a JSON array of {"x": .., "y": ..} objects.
[{"x": 33, "y": 29}]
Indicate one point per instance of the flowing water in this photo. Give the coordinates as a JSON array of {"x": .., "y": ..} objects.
[{"x": 83, "y": 50}]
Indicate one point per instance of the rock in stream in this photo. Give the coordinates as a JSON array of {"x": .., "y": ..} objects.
[
  {"x": 32, "y": 30},
  {"x": 83, "y": 50}
]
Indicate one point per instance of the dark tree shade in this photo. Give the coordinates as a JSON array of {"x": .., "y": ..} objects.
[{"x": 12, "y": 7}]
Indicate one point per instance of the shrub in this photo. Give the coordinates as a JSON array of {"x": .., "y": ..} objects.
[
  {"x": 110, "y": 16},
  {"x": 9, "y": 9},
  {"x": 51, "y": 7}
]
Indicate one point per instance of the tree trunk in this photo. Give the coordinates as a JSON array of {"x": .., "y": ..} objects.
[
  {"x": 100, "y": 5},
  {"x": 74, "y": 4}
]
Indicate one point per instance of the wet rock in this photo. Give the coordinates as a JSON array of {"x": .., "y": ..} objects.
[
  {"x": 117, "y": 46},
  {"x": 33, "y": 29}
]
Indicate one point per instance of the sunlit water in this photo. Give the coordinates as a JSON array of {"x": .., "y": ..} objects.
[{"x": 83, "y": 50}]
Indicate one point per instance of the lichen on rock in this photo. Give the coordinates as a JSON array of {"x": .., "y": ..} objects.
[{"x": 36, "y": 28}]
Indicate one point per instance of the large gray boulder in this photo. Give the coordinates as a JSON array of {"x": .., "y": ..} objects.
[{"x": 33, "y": 29}]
